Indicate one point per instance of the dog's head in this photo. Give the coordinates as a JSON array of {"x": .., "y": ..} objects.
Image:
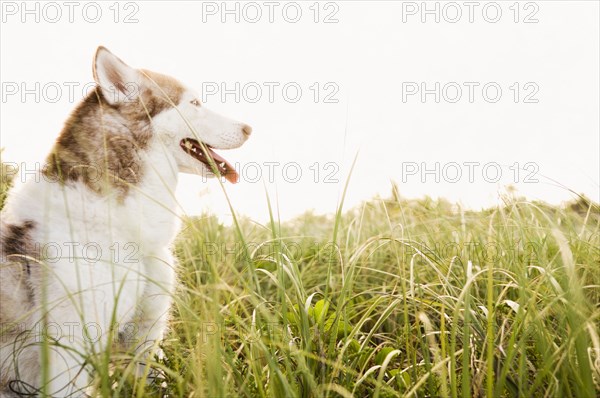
[{"x": 188, "y": 130}]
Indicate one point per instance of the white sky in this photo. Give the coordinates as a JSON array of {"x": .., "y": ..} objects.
[{"x": 370, "y": 54}]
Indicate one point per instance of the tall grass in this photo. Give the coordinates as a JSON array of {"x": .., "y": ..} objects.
[
  {"x": 415, "y": 298},
  {"x": 394, "y": 298}
]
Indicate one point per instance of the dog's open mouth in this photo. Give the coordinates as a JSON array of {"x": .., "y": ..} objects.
[{"x": 193, "y": 148}]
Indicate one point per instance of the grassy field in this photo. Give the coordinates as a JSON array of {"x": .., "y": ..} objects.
[{"x": 393, "y": 298}]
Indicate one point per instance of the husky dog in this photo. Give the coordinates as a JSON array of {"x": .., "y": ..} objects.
[{"x": 84, "y": 246}]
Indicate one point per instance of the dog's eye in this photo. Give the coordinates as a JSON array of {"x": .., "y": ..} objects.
[{"x": 195, "y": 102}]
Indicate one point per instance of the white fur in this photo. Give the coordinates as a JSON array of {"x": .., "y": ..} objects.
[
  {"x": 134, "y": 271},
  {"x": 187, "y": 120},
  {"x": 113, "y": 290}
]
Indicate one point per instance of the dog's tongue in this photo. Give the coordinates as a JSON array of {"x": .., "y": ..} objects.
[{"x": 230, "y": 174}]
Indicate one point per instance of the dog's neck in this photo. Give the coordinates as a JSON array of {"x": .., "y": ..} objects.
[
  {"x": 159, "y": 168},
  {"x": 103, "y": 148}
]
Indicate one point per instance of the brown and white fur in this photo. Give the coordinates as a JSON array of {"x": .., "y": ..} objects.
[{"x": 85, "y": 246}]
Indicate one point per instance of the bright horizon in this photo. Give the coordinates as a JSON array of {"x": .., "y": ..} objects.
[{"x": 368, "y": 70}]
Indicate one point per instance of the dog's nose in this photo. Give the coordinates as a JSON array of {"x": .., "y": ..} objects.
[{"x": 247, "y": 130}]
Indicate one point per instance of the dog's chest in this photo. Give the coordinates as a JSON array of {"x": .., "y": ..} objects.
[
  {"x": 150, "y": 216},
  {"x": 146, "y": 219}
]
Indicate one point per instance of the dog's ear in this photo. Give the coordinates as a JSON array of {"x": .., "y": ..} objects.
[{"x": 118, "y": 81}]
